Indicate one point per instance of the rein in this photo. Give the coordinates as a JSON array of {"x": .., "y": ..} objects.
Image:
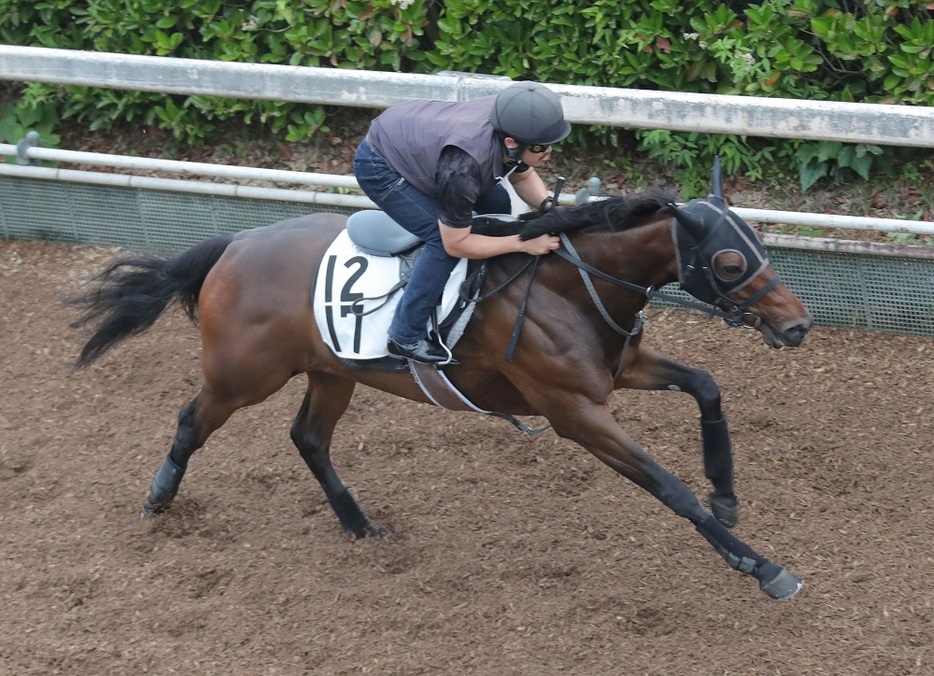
[
  {"x": 520, "y": 318},
  {"x": 640, "y": 316},
  {"x": 733, "y": 317},
  {"x": 736, "y": 315},
  {"x": 533, "y": 261}
]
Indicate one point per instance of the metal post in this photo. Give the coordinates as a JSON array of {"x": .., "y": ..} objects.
[{"x": 22, "y": 148}]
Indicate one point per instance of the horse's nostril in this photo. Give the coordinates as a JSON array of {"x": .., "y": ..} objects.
[{"x": 796, "y": 334}]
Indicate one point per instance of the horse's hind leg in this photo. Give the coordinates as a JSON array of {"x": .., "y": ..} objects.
[
  {"x": 652, "y": 370},
  {"x": 325, "y": 401},
  {"x": 196, "y": 422}
]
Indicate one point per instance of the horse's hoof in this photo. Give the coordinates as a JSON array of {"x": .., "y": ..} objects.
[
  {"x": 782, "y": 586},
  {"x": 367, "y": 529},
  {"x": 149, "y": 509},
  {"x": 725, "y": 510},
  {"x": 374, "y": 530}
]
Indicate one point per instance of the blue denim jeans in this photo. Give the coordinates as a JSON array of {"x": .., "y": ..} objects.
[{"x": 418, "y": 213}]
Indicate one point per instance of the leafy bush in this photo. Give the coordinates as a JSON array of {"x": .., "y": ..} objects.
[
  {"x": 874, "y": 51},
  {"x": 378, "y": 35},
  {"x": 842, "y": 50}
]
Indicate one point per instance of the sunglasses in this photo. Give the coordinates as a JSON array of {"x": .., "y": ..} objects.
[{"x": 537, "y": 148}]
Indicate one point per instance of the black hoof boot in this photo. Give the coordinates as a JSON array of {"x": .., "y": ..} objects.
[
  {"x": 778, "y": 583},
  {"x": 726, "y": 510},
  {"x": 373, "y": 530},
  {"x": 352, "y": 518},
  {"x": 150, "y": 509}
]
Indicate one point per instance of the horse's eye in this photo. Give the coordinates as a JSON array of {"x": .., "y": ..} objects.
[{"x": 729, "y": 265}]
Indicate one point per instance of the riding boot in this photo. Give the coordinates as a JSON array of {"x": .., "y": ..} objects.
[{"x": 424, "y": 351}]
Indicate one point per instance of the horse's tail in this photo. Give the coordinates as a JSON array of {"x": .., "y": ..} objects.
[{"x": 131, "y": 293}]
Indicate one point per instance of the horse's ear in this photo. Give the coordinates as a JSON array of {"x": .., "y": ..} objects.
[
  {"x": 694, "y": 226},
  {"x": 716, "y": 184}
]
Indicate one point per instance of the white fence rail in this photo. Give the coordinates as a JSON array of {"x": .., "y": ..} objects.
[
  {"x": 812, "y": 120},
  {"x": 227, "y": 189},
  {"x": 330, "y": 180}
]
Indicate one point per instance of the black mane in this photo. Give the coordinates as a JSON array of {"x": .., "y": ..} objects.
[{"x": 612, "y": 213}]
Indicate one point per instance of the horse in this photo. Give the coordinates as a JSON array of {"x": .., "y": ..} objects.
[{"x": 554, "y": 345}]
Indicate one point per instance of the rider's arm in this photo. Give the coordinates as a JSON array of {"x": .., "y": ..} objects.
[
  {"x": 529, "y": 186},
  {"x": 463, "y": 243},
  {"x": 458, "y": 178}
]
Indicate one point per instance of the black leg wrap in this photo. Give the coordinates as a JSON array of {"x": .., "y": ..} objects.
[
  {"x": 774, "y": 580},
  {"x": 675, "y": 495},
  {"x": 777, "y": 582},
  {"x": 718, "y": 456},
  {"x": 738, "y": 555},
  {"x": 718, "y": 466},
  {"x": 164, "y": 485}
]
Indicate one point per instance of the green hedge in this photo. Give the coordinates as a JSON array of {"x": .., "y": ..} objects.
[{"x": 841, "y": 50}]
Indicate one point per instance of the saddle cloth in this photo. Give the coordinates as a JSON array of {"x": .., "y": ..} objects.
[{"x": 350, "y": 300}]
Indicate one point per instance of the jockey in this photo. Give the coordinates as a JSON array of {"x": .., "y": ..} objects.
[{"x": 431, "y": 164}]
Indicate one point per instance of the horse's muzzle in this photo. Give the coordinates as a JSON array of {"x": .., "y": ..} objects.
[
  {"x": 790, "y": 336},
  {"x": 794, "y": 336}
]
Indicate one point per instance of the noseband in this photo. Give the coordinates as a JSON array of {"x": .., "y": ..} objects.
[{"x": 735, "y": 314}]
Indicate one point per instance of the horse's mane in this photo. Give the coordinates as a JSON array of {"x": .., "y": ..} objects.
[{"x": 612, "y": 213}]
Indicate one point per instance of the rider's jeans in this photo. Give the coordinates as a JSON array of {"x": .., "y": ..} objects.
[{"x": 417, "y": 213}]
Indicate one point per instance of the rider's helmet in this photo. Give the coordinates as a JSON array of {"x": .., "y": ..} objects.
[{"x": 530, "y": 113}]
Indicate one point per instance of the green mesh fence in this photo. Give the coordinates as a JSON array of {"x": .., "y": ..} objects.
[
  {"x": 153, "y": 221},
  {"x": 865, "y": 291},
  {"x": 841, "y": 289}
]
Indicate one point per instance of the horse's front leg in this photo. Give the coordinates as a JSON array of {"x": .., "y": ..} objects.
[
  {"x": 325, "y": 401},
  {"x": 648, "y": 369},
  {"x": 593, "y": 427}
]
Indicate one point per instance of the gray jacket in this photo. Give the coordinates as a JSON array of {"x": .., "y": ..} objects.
[{"x": 410, "y": 137}]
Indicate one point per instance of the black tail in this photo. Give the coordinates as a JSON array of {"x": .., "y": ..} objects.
[{"x": 133, "y": 291}]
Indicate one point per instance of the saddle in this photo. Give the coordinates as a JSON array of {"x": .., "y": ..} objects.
[
  {"x": 373, "y": 241},
  {"x": 358, "y": 284}
]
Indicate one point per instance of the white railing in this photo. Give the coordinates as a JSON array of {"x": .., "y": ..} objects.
[
  {"x": 330, "y": 180},
  {"x": 33, "y": 153},
  {"x": 813, "y": 120}
]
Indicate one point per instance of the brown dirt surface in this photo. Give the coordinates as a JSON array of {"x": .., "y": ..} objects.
[{"x": 508, "y": 555}]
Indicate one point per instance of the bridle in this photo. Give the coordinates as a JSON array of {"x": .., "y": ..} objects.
[
  {"x": 703, "y": 229},
  {"x": 735, "y": 313},
  {"x": 694, "y": 236}
]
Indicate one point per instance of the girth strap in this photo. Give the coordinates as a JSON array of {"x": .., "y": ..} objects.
[{"x": 441, "y": 392}]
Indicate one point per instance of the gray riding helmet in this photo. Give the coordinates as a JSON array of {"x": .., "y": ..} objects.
[{"x": 530, "y": 113}]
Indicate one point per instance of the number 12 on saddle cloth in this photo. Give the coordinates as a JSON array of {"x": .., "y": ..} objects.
[{"x": 352, "y": 309}]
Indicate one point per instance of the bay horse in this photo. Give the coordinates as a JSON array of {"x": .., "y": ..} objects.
[{"x": 580, "y": 340}]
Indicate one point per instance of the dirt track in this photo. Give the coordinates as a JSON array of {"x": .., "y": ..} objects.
[{"x": 508, "y": 555}]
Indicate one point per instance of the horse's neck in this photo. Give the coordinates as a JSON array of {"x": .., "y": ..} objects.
[{"x": 643, "y": 255}]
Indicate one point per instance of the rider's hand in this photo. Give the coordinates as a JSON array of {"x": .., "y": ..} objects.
[{"x": 539, "y": 245}]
